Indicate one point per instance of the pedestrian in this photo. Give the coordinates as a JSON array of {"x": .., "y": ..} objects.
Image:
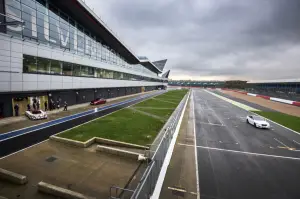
[
  {"x": 38, "y": 105},
  {"x": 57, "y": 104},
  {"x": 16, "y": 107},
  {"x": 34, "y": 106},
  {"x": 46, "y": 105},
  {"x": 28, "y": 107},
  {"x": 65, "y": 106}
]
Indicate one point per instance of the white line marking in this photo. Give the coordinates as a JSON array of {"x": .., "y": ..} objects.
[
  {"x": 281, "y": 143},
  {"x": 167, "y": 160},
  {"x": 211, "y": 124},
  {"x": 195, "y": 147},
  {"x": 296, "y": 142},
  {"x": 242, "y": 152}
]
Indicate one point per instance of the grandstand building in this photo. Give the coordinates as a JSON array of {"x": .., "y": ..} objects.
[
  {"x": 285, "y": 89},
  {"x": 190, "y": 83},
  {"x": 62, "y": 51}
]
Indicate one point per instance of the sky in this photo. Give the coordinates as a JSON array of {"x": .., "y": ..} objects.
[{"x": 210, "y": 39}]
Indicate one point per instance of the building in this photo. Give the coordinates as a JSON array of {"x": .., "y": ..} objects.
[
  {"x": 191, "y": 83},
  {"x": 61, "y": 51}
]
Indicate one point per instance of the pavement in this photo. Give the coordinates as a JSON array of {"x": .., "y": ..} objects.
[
  {"x": 23, "y": 138},
  {"x": 236, "y": 160},
  {"x": 180, "y": 180},
  {"x": 82, "y": 170}
]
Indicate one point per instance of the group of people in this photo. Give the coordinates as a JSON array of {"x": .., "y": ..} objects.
[
  {"x": 55, "y": 105},
  {"x": 36, "y": 106}
]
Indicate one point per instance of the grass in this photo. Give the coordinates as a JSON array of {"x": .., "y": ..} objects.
[
  {"x": 289, "y": 121},
  {"x": 128, "y": 125}
]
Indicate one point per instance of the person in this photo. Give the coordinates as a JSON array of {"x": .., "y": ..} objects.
[
  {"x": 46, "y": 105},
  {"x": 28, "y": 107},
  {"x": 16, "y": 109},
  {"x": 65, "y": 106},
  {"x": 38, "y": 105},
  {"x": 34, "y": 106},
  {"x": 57, "y": 104}
]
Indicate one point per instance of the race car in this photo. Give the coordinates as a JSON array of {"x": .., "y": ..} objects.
[
  {"x": 36, "y": 114},
  {"x": 98, "y": 101},
  {"x": 258, "y": 122}
]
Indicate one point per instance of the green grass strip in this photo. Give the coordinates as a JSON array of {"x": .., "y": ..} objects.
[{"x": 286, "y": 120}]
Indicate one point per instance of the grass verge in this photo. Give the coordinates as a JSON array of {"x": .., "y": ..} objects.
[
  {"x": 289, "y": 121},
  {"x": 128, "y": 125}
]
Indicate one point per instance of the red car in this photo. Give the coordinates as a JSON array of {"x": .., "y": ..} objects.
[{"x": 98, "y": 101}]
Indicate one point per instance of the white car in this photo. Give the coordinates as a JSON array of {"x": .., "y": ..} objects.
[
  {"x": 258, "y": 122},
  {"x": 36, "y": 115}
]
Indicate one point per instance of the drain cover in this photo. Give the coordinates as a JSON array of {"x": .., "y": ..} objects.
[{"x": 51, "y": 159}]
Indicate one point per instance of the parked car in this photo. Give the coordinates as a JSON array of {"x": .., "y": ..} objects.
[
  {"x": 98, "y": 101},
  {"x": 258, "y": 122},
  {"x": 36, "y": 114}
]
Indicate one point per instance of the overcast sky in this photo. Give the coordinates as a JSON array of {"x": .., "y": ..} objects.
[{"x": 211, "y": 39}]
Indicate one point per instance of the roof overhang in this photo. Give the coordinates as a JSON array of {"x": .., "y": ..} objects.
[
  {"x": 81, "y": 13},
  {"x": 148, "y": 64}
]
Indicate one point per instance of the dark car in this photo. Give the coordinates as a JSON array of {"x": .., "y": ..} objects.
[{"x": 98, "y": 101}]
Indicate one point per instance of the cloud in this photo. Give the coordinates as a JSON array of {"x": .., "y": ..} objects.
[{"x": 225, "y": 39}]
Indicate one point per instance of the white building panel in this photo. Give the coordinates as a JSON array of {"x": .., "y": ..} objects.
[
  {"x": 5, "y": 44},
  {"x": 56, "y": 85},
  {"x": 5, "y": 77},
  {"x": 67, "y": 79},
  {"x": 4, "y": 58},
  {"x": 5, "y": 53},
  {"x": 30, "y": 86},
  {"x": 29, "y": 77},
  {"x": 44, "y": 78},
  {"x": 16, "y": 46},
  {"x": 16, "y": 86},
  {"x": 5, "y": 86},
  {"x": 16, "y": 77},
  {"x": 44, "y": 85},
  {"x": 55, "y": 78}
]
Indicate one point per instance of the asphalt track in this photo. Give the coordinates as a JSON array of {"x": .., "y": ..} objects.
[
  {"x": 238, "y": 161},
  {"x": 17, "y": 140}
]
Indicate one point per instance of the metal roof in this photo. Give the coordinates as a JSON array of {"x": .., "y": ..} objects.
[{"x": 160, "y": 64}]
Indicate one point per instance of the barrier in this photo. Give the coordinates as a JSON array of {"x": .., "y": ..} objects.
[
  {"x": 60, "y": 192},
  {"x": 119, "y": 152},
  {"x": 13, "y": 177}
]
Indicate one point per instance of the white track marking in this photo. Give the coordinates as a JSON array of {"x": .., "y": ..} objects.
[
  {"x": 212, "y": 124},
  {"x": 296, "y": 142},
  {"x": 195, "y": 147},
  {"x": 243, "y": 152},
  {"x": 164, "y": 168},
  {"x": 281, "y": 143}
]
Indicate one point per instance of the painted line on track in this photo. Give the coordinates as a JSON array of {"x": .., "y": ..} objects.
[
  {"x": 241, "y": 152},
  {"x": 195, "y": 149},
  {"x": 19, "y": 132}
]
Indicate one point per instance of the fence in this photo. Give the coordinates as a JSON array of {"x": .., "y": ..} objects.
[{"x": 157, "y": 154}]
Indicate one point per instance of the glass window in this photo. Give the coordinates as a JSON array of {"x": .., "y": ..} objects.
[
  {"x": 29, "y": 3},
  {"x": 29, "y": 16},
  {"x": 29, "y": 64},
  {"x": 67, "y": 69},
  {"x": 14, "y": 13},
  {"x": 80, "y": 42},
  {"x": 76, "y": 70},
  {"x": 56, "y": 67},
  {"x": 43, "y": 65},
  {"x": 87, "y": 71}
]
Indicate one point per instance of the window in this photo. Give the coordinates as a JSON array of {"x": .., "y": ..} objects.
[
  {"x": 87, "y": 71},
  {"x": 76, "y": 70},
  {"x": 43, "y": 65},
  {"x": 56, "y": 67},
  {"x": 29, "y": 64},
  {"x": 67, "y": 69}
]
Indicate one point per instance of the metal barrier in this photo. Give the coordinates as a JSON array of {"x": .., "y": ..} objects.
[{"x": 157, "y": 154}]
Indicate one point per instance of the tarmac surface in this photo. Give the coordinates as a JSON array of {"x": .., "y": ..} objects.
[
  {"x": 35, "y": 135},
  {"x": 237, "y": 160}
]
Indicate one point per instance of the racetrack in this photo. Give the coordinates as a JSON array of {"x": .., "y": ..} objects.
[
  {"x": 236, "y": 160},
  {"x": 17, "y": 140}
]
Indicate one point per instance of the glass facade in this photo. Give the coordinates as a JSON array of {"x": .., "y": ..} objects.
[
  {"x": 38, "y": 65},
  {"x": 47, "y": 24}
]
